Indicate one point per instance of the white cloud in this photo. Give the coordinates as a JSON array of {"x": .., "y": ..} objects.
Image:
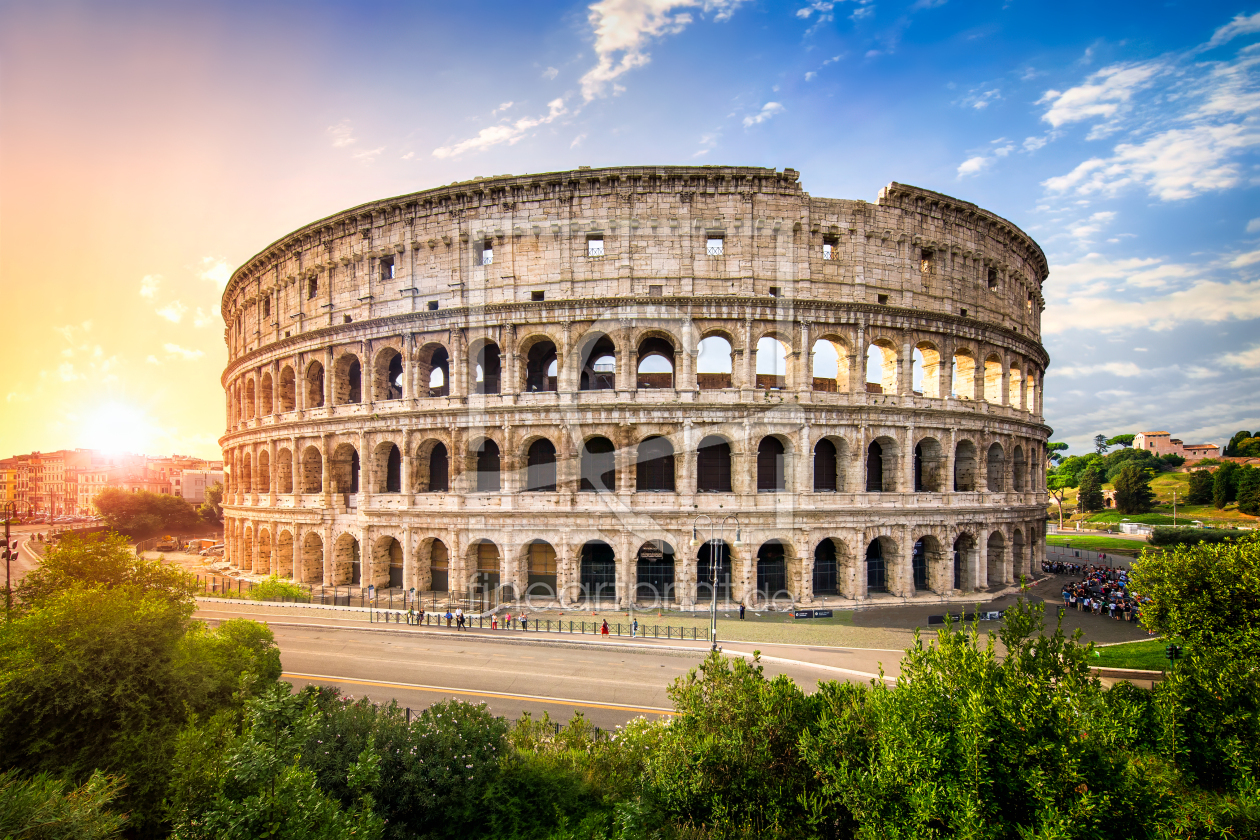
[
  {"x": 973, "y": 165},
  {"x": 810, "y": 76},
  {"x": 174, "y": 351},
  {"x": 503, "y": 106},
  {"x": 1240, "y": 25},
  {"x": 173, "y": 311},
  {"x": 1113, "y": 368},
  {"x": 507, "y": 132},
  {"x": 342, "y": 134},
  {"x": 149, "y": 285},
  {"x": 1094, "y": 275},
  {"x": 821, "y": 6},
  {"x": 1250, "y": 258},
  {"x": 577, "y": 141},
  {"x": 1175, "y": 164},
  {"x": 216, "y": 271},
  {"x": 1032, "y": 144},
  {"x": 368, "y": 155},
  {"x": 1206, "y": 301},
  {"x": 550, "y": 73},
  {"x": 624, "y": 28},
  {"x": 981, "y": 99},
  {"x": 1253, "y": 226},
  {"x": 1249, "y": 358},
  {"x": 1102, "y": 94},
  {"x": 767, "y": 111},
  {"x": 67, "y": 372},
  {"x": 153, "y": 360},
  {"x": 204, "y": 319},
  {"x": 1095, "y": 223}
]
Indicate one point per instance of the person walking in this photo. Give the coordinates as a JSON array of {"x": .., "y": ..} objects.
[
  {"x": 741, "y": 611},
  {"x": 459, "y": 618},
  {"x": 448, "y": 616},
  {"x": 604, "y": 629},
  {"x": 634, "y": 628}
]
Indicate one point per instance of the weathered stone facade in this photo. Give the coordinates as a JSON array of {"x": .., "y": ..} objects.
[{"x": 526, "y": 326}]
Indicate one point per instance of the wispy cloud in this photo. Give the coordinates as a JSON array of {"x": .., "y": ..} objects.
[
  {"x": 342, "y": 134},
  {"x": 1249, "y": 358},
  {"x": 174, "y": 351},
  {"x": 767, "y": 111},
  {"x": 149, "y": 286},
  {"x": 1240, "y": 25},
  {"x": 215, "y": 270},
  {"x": 1102, "y": 95},
  {"x": 507, "y": 132},
  {"x": 173, "y": 311},
  {"x": 550, "y": 73}
]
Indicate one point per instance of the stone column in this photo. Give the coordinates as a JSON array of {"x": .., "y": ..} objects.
[
  {"x": 905, "y": 372},
  {"x": 750, "y": 361},
  {"x": 857, "y": 369},
  {"x": 1005, "y": 396},
  {"x": 295, "y": 469}
]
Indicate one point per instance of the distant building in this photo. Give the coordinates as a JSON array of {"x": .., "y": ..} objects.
[
  {"x": 1162, "y": 443},
  {"x": 192, "y": 484}
]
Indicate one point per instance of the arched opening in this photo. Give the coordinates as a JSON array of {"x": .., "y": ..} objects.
[
  {"x": 439, "y": 567},
  {"x": 315, "y": 385},
  {"x": 485, "y": 368},
  {"x": 831, "y": 366},
  {"x": 284, "y": 554},
  {"x": 926, "y": 374},
  {"x": 964, "y": 375},
  {"x": 1019, "y": 470},
  {"x": 996, "y": 559},
  {"x": 713, "y": 466},
  {"x": 597, "y": 573},
  {"x": 312, "y": 471},
  {"x": 347, "y": 380},
  {"x": 345, "y": 469},
  {"x": 265, "y": 392},
  {"x": 772, "y": 570},
  {"x": 919, "y": 565},
  {"x": 654, "y": 579},
  {"x": 771, "y": 469},
  {"x": 996, "y": 469},
  {"x": 540, "y": 567},
  {"x": 249, "y": 399},
  {"x": 288, "y": 390},
  {"x": 387, "y": 381},
  {"x": 387, "y": 563},
  {"x": 434, "y": 368},
  {"x": 656, "y": 363},
  {"x": 312, "y": 570},
  {"x": 964, "y": 562},
  {"x": 826, "y": 569},
  {"x": 284, "y": 471},
  {"x": 347, "y": 565},
  {"x": 599, "y": 466},
  {"x": 771, "y": 363},
  {"x": 1016, "y": 386},
  {"x": 654, "y": 466},
  {"x": 1030, "y": 395},
  {"x": 993, "y": 379},
  {"x": 488, "y": 467},
  {"x": 881, "y": 466},
  {"x": 434, "y": 464},
  {"x": 965, "y": 467},
  {"x": 827, "y": 478},
  {"x": 540, "y": 470},
  {"x": 713, "y": 564},
  {"x": 485, "y": 556},
  {"x": 876, "y": 569},
  {"x": 881, "y": 367},
  {"x": 388, "y": 468},
  {"x": 713, "y": 363},
  {"x": 262, "y": 479},
  {"x": 541, "y": 367},
  {"x": 928, "y": 463},
  {"x": 599, "y": 365}
]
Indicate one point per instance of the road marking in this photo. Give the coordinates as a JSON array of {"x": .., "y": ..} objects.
[{"x": 559, "y": 701}]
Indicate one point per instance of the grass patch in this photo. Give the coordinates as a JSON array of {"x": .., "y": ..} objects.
[
  {"x": 1112, "y": 516},
  {"x": 1111, "y": 545},
  {"x": 1145, "y": 656}
]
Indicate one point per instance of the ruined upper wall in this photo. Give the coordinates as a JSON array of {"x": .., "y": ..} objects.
[{"x": 911, "y": 248}]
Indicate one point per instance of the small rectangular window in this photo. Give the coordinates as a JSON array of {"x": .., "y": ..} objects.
[
  {"x": 776, "y": 291},
  {"x": 925, "y": 262},
  {"x": 829, "y": 249},
  {"x": 1030, "y": 302},
  {"x": 715, "y": 246},
  {"x": 962, "y": 312},
  {"x": 992, "y": 279},
  {"x": 487, "y": 254},
  {"x": 348, "y": 319},
  {"x": 387, "y": 268},
  {"x": 433, "y": 305},
  {"x": 537, "y": 295},
  {"x": 312, "y": 288},
  {"x": 266, "y": 307},
  {"x": 656, "y": 291},
  {"x": 883, "y": 298},
  {"x": 595, "y": 246}
]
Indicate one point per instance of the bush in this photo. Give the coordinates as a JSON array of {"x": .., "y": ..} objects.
[
  {"x": 104, "y": 560},
  {"x": 1165, "y": 535},
  {"x": 276, "y": 588},
  {"x": 46, "y": 808}
]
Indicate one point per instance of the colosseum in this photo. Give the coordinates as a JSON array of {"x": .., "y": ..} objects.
[{"x": 641, "y": 383}]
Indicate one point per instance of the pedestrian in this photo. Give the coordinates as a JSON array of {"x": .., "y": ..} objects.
[
  {"x": 634, "y": 628},
  {"x": 524, "y": 622},
  {"x": 448, "y": 616},
  {"x": 604, "y": 629},
  {"x": 741, "y": 611},
  {"x": 459, "y": 618}
]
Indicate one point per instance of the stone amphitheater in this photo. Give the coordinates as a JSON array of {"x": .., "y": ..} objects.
[{"x": 642, "y": 383}]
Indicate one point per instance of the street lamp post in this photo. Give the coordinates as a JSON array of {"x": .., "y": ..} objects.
[{"x": 714, "y": 544}]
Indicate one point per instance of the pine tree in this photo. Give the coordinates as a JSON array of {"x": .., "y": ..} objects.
[
  {"x": 1249, "y": 491},
  {"x": 1090, "y": 498},
  {"x": 1133, "y": 490},
  {"x": 1200, "y": 488},
  {"x": 1224, "y": 490}
]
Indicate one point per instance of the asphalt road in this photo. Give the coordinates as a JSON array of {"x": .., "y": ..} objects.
[{"x": 607, "y": 682}]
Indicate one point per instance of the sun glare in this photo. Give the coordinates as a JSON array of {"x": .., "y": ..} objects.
[{"x": 115, "y": 427}]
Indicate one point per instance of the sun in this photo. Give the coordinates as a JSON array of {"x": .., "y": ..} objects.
[{"x": 117, "y": 427}]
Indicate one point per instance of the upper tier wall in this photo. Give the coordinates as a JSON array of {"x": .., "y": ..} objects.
[{"x": 912, "y": 248}]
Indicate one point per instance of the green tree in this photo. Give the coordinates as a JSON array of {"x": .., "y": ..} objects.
[
  {"x": 1224, "y": 489},
  {"x": 46, "y": 808},
  {"x": 1133, "y": 490},
  {"x": 1249, "y": 491},
  {"x": 104, "y": 560},
  {"x": 1058, "y": 485},
  {"x": 1100, "y": 444},
  {"x": 1172, "y": 460},
  {"x": 144, "y": 513},
  {"x": 1121, "y": 440},
  {"x": 1231, "y": 448},
  {"x": 1200, "y": 492},
  {"x": 211, "y": 510},
  {"x": 1054, "y": 451},
  {"x": 1090, "y": 497},
  {"x": 1249, "y": 448},
  {"x": 1114, "y": 462}
]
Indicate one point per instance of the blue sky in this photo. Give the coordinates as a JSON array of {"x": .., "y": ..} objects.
[{"x": 148, "y": 149}]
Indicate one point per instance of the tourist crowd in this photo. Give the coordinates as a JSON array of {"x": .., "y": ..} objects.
[{"x": 1102, "y": 590}]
